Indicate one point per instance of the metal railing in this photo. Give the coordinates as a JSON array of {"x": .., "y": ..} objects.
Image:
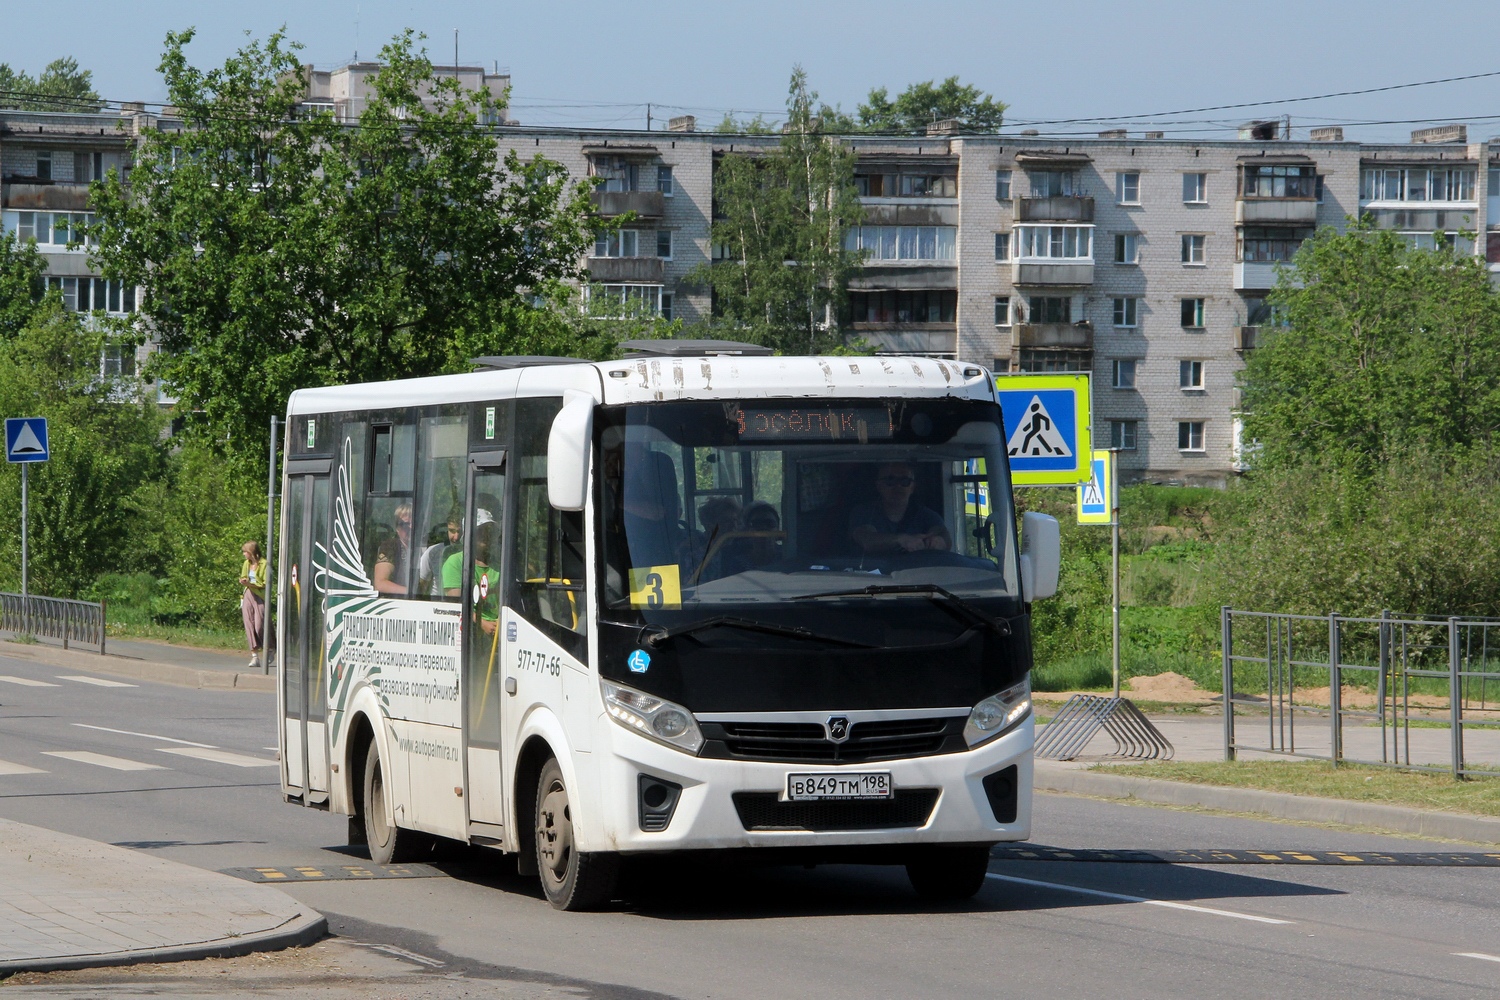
[
  {"x": 54, "y": 618},
  {"x": 1407, "y": 691}
]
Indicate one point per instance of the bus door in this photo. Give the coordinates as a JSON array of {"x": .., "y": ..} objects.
[
  {"x": 303, "y": 649},
  {"x": 484, "y": 526}
]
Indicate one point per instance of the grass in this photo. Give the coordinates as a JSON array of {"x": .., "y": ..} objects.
[
  {"x": 1387, "y": 786},
  {"x": 1093, "y": 671},
  {"x": 201, "y": 636}
]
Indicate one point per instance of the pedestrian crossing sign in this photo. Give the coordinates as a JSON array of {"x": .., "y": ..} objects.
[
  {"x": 1046, "y": 427},
  {"x": 1095, "y": 499}
]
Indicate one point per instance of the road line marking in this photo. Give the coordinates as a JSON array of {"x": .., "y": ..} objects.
[
  {"x": 219, "y": 756},
  {"x": 97, "y": 681},
  {"x": 27, "y": 682},
  {"x": 149, "y": 736},
  {"x": 1477, "y": 954},
  {"x": 103, "y": 760},
  {"x": 1121, "y": 897},
  {"x": 6, "y": 767}
]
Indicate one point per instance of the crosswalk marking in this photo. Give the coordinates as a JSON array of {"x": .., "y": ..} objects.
[
  {"x": 6, "y": 767},
  {"x": 219, "y": 756},
  {"x": 103, "y": 760},
  {"x": 1123, "y": 898},
  {"x": 1477, "y": 954},
  {"x": 27, "y": 682},
  {"x": 98, "y": 681},
  {"x": 149, "y": 736}
]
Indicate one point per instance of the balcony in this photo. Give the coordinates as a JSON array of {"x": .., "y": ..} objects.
[
  {"x": 1059, "y": 208},
  {"x": 1254, "y": 276},
  {"x": 1276, "y": 211},
  {"x": 1041, "y": 271},
  {"x": 1070, "y": 336},
  {"x": 45, "y": 197},
  {"x": 645, "y": 204},
  {"x": 626, "y": 270},
  {"x": 1245, "y": 337}
]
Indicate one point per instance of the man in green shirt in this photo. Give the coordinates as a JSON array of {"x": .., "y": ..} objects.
[{"x": 486, "y": 553}]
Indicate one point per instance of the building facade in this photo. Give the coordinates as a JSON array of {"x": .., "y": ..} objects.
[{"x": 1143, "y": 260}]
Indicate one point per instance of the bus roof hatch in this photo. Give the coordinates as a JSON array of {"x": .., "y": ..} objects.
[{"x": 691, "y": 349}]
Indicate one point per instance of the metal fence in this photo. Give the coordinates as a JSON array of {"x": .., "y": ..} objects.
[
  {"x": 54, "y": 618},
  {"x": 1405, "y": 691}
]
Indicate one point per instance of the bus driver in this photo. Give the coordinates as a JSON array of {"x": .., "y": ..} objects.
[{"x": 892, "y": 522}]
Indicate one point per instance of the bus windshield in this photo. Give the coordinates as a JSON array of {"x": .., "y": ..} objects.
[{"x": 766, "y": 502}]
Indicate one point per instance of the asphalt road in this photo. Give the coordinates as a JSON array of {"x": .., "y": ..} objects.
[{"x": 190, "y": 775}]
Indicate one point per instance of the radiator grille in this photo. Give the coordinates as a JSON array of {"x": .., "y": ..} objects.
[{"x": 808, "y": 743}]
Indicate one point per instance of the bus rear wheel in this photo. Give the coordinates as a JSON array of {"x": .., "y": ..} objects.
[
  {"x": 572, "y": 879},
  {"x": 388, "y": 843},
  {"x": 949, "y": 874}
]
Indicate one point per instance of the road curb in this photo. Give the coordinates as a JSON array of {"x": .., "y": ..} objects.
[
  {"x": 1279, "y": 805},
  {"x": 143, "y": 670},
  {"x": 298, "y": 932}
]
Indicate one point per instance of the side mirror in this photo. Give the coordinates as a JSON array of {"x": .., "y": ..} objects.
[
  {"x": 1041, "y": 556},
  {"x": 568, "y": 448}
]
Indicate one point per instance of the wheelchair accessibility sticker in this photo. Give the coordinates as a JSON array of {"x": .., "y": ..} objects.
[{"x": 638, "y": 661}]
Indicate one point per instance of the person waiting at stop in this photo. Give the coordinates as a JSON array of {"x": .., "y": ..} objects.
[{"x": 892, "y": 522}]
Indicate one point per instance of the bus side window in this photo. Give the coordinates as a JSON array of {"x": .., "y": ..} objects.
[
  {"x": 438, "y": 519},
  {"x": 549, "y": 567}
]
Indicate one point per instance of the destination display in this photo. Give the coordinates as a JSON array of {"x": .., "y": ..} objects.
[{"x": 806, "y": 423}]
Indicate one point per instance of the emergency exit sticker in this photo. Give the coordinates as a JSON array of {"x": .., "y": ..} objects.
[{"x": 656, "y": 587}]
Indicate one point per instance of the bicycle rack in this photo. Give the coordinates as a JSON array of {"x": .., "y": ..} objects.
[{"x": 1084, "y": 716}]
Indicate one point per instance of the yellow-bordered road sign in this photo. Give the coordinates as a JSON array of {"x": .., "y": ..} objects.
[
  {"x": 1095, "y": 497},
  {"x": 1047, "y": 428}
]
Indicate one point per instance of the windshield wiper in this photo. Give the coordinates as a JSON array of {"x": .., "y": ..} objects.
[
  {"x": 999, "y": 626},
  {"x": 655, "y": 636}
]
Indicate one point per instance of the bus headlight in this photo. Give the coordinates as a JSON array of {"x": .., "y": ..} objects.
[
  {"x": 999, "y": 713},
  {"x": 652, "y": 716}
]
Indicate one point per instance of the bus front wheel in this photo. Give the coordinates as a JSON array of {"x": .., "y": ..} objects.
[
  {"x": 388, "y": 843},
  {"x": 572, "y": 879},
  {"x": 949, "y": 874}
]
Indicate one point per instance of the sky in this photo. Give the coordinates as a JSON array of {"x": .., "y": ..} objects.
[{"x": 593, "y": 64}]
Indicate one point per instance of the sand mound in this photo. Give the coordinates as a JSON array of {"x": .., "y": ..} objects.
[{"x": 1171, "y": 687}]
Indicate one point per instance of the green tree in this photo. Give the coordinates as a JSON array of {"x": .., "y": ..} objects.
[
  {"x": 21, "y": 271},
  {"x": 277, "y": 248},
  {"x": 1381, "y": 350},
  {"x": 781, "y": 218},
  {"x": 105, "y": 443},
  {"x": 920, "y": 104},
  {"x": 61, "y": 87}
]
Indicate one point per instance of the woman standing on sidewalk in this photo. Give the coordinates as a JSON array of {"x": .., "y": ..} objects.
[{"x": 253, "y": 602}]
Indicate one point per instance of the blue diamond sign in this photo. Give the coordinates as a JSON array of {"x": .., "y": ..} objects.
[{"x": 26, "y": 439}]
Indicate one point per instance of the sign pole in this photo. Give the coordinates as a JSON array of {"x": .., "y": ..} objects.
[
  {"x": 25, "y": 597},
  {"x": 1114, "y": 521}
]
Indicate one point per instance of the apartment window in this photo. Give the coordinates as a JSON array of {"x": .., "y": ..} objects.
[
  {"x": 903, "y": 242},
  {"x": 1127, "y": 248},
  {"x": 1190, "y": 435},
  {"x": 44, "y": 164},
  {"x": 664, "y": 179},
  {"x": 616, "y": 173},
  {"x": 666, "y": 306},
  {"x": 1195, "y": 188},
  {"x": 56, "y": 229},
  {"x": 1190, "y": 374},
  {"x": 1192, "y": 249},
  {"x": 926, "y": 184},
  {"x": 1122, "y": 434},
  {"x": 1123, "y": 373},
  {"x": 1318, "y": 187},
  {"x": 117, "y": 361},
  {"x": 1266, "y": 244},
  {"x": 919, "y": 306},
  {"x": 1054, "y": 361},
  {"x": 93, "y": 295},
  {"x": 1055, "y": 242},
  {"x": 1002, "y": 246},
  {"x": 1192, "y": 313},
  {"x": 1053, "y": 183},
  {"x": 1128, "y": 187},
  {"x": 664, "y": 244},
  {"x": 1002, "y": 310},
  {"x": 1002, "y": 185},
  {"x": 88, "y": 167},
  {"x": 1000, "y": 365},
  {"x": 1417, "y": 184},
  {"x": 1494, "y": 176},
  {"x": 623, "y": 243},
  {"x": 1280, "y": 181},
  {"x": 1126, "y": 311},
  {"x": 619, "y": 301},
  {"x": 1051, "y": 309}
]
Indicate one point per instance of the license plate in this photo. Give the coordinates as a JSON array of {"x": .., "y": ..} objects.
[{"x": 865, "y": 785}]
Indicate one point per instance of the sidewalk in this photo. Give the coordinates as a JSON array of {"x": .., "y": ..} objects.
[
  {"x": 69, "y": 903},
  {"x": 142, "y": 659}
]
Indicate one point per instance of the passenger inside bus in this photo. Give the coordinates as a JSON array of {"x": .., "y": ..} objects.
[
  {"x": 759, "y": 539},
  {"x": 393, "y": 558},
  {"x": 891, "y": 522},
  {"x": 442, "y": 541},
  {"x": 486, "y": 556}
]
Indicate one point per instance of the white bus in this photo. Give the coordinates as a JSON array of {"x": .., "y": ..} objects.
[{"x": 694, "y": 599}]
